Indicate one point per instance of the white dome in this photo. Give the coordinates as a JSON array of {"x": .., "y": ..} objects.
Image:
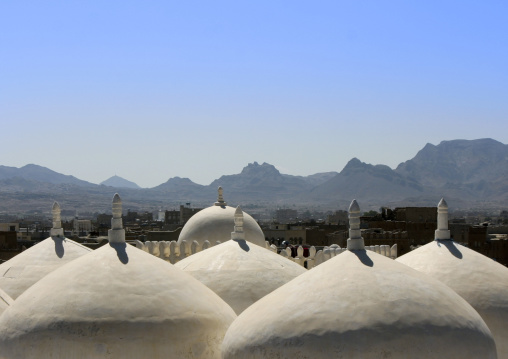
[
  {"x": 214, "y": 224},
  {"x": 482, "y": 282},
  {"x": 239, "y": 272},
  {"x": 22, "y": 271},
  {"x": 478, "y": 279},
  {"x": 115, "y": 302},
  {"x": 28, "y": 267},
  {"x": 360, "y": 304}
]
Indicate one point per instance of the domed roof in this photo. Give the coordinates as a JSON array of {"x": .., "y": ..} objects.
[
  {"x": 28, "y": 267},
  {"x": 360, "y": 304},
  {"x": 115, "y": 302},
  {"x": 482, "y": 282},
  {"x": 239, "y": 272},
  {"x": 214, "y": 224}
]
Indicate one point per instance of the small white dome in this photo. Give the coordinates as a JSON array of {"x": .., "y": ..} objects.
[
  {"x": 482, "y": 282},
  {"x": 214, "y": 224},
  {"x": 478, "y": 279},
  {"x": 239, "y": 272},
  {"x": 28, "y": 267},
  {"x": 22, "y": 271}
]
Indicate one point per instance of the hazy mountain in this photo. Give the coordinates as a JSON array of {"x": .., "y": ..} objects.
[
  {"x": 475, "y": 169},
  {"x": 317, "y": 179},
  {"x": 178, "y": 188},
  {"x": 465, "y": 172},
  {"x": 41, "y": 174},
  {"x": 366, "y": 182},
  {"x": 458, "y": 161},
  {"x": 119, "y": 182},
  {"x": 261, "y": 182}
]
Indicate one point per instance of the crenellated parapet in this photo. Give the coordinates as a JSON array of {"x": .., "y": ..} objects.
[{"x": 172, "y": 252}]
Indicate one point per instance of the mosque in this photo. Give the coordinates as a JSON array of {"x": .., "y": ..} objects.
[{"x": 238, "y": 299}]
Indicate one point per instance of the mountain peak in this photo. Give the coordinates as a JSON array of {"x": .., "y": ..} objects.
[
  {"x": 119, "y": 182},
  {"x": 255, "y": 168},
  {"x": 354, "y": 163}
]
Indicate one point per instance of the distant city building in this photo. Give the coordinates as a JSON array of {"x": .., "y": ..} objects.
[
  {"x": 180, "y": 217},
  {"x": 286, "y": 215}
]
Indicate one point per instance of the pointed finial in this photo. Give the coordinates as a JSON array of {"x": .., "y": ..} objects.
[
  {"x": 220, "y": 198},
  {"x": 354, "y": 207},
  {"x": 116, "y": 234},
  {"x": 57, "y": 230},
  {"x": 355, "y": 240},
  {"x": 442, "y": 204},
  {"x": 117, "y": 206},
  {"x": 238, "y": 234},
  {"x": 442, "y": 232},
  {"x": 56, "y": 207}
]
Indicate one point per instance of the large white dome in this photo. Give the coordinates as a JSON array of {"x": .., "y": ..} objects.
[
  {"x": 239, "y": 272},
  {"x": 214, "y": 224},
  {"x": 360, "y": 305},
  {"x": 116, "y": 302},
  {"x": 482, "y": 282}
]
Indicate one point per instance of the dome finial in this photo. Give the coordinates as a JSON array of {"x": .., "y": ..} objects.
[
  {"x": 238, "y": 233},
  {"x": 116, "y": 234},
  {"x": 442, "y": 232},
  {"x": 57, "y": 230},
  {"x": 442, "y": 204},
  {"x": 220, "y": 198},
  {"x": 355, "y": 240}
]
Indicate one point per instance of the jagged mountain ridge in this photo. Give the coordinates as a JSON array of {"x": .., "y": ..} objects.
[
  {"x": 466, "y": 171},
  {"x": 366, "y": 182},
  {"x": 457, "y": 162}
]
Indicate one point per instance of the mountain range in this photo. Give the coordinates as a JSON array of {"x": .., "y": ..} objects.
[{"x": 468, "y": 173}]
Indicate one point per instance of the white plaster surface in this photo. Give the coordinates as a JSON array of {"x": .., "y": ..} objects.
[
  {"x": 239, "y": 272},
  {"x": 478, "y": 279},
  {"x": 5, "y": 301},
  {"x": 360, "y": 304},
  {"x": 22, "y": 271},
  {"x": 115, "y": 302},
  {"x": 215, "y": 224}
]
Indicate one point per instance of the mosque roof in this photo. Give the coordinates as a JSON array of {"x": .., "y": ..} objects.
[
  {"x": 115, "y": 302},
  {"x": 360, "y": 304},
  {"x": 239, "y": 272},
  {"x": 214, "y": 224}
]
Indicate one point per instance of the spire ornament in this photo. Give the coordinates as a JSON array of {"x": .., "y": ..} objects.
[
  {"x": 238, "y": 233},
  {"x": 355, "y": 240},
  {"x": 442, "y": 232},
  {"x": 220, "y": 198},
  {"x": 116, "y": 234},
  {"x": 57, "y": 230}
]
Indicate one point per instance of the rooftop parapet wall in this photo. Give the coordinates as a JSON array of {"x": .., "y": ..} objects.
[{"x": 173, "y": 253}]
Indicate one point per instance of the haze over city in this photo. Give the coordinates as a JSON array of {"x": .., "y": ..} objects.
[{"x": 150, "y": 91}]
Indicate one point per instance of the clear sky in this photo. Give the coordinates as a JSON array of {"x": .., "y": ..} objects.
[{"x": 150, "y": 90}]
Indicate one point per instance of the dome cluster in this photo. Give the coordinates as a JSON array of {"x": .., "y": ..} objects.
[{"x": 240, "y": 300}]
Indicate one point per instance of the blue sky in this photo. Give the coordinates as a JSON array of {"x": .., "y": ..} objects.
[{"x": 150, "y": 90}]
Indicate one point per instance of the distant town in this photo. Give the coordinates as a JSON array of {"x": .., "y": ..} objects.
[{"x": 407, "y": 227}]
